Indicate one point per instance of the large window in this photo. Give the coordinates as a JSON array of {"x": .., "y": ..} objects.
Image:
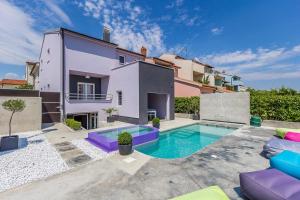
[
  {"x": 122, "y": 60},
  {"x": 85, "y": 90},
  {"x": 120, "y": 97}
]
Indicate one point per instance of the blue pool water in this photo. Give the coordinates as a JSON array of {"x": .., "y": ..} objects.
[{"x": 184, "y": 141}]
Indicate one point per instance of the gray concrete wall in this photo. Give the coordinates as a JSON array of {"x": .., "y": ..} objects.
[
  {"x": 228, "y": 107},
  {"x": 29, "y": 119},
  {"x": 158, "y": 80}
]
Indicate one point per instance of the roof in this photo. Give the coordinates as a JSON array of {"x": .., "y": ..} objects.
[
  {"x": 13, "y": 82},
  {"x": 93, "y": 38}
]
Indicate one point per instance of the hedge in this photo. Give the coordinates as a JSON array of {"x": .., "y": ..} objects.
[
  {"x": 72, "y": 123},
  {"x": 187, "y": 104},
  {"x": 276, "y": 107}
]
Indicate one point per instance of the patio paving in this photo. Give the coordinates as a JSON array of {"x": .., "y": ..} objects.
[{"x": 218, "y": 164}]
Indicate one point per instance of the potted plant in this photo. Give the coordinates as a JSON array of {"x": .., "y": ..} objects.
[
  {"x": 11, "y": 142},
  {"x": 109, "y": 112},
  {"x": 125, "y": 143},
  {"x": 156, "y": 122}
]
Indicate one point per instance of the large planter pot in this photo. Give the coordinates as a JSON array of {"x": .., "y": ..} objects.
[
  {"x": 110, "y": 119},
  {"x": 9, "y": 143},
  {"x": 125, "y": 149},
  {"x": 156, "y": 126}
]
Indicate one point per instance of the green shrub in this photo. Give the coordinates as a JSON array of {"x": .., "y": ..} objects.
[
  {"x": 155, "y": 120},
  {"x": 72, "y": 123},
  {"x": 124, "y": 138},
  {"x": 190, "y": 105}
]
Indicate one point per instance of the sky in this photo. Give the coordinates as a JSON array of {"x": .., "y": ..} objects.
[{"x": 258, "y": 40}]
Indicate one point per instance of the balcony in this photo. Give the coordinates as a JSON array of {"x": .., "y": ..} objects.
[{"x": 88, "y": 98}]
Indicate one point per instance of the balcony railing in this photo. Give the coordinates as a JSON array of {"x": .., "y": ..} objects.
[{"x": 75, "y": 97}]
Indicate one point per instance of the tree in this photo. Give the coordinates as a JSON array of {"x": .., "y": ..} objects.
[{"x": 13, "y": 105}]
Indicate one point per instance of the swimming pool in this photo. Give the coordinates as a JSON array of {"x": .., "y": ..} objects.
[
  {"x": 108, "y": 139},
  {"x": 184, "y": 141}
]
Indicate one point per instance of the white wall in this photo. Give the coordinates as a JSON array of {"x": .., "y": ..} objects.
[
  {"x": 126, "y": 79},
  {"x": 50, "y": 64},
  {"x": 228, "y": 107}
]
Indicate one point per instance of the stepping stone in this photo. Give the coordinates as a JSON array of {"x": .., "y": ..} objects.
[
  {"x": 64, "y": 146},
  {"x": 77, "y": 160}
]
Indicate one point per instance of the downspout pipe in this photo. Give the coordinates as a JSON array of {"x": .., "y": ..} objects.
[{"x": 63, "y": 116}]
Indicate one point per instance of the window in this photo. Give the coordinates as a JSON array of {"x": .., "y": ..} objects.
[
  {"x": 120, "y": 97},
  {"x": 122, "y": 60},
  {"x": 85, "y": 90}
]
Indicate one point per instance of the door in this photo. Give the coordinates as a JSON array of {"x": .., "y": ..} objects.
[{"x": 85, "y": 90}]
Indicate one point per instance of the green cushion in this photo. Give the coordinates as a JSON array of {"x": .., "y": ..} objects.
[
  {"x": 209, "y": 193},
  {"x": 282, "y": 131}
]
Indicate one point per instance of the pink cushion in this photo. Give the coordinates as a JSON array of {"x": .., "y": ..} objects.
[{"x": 293, "y": 136}]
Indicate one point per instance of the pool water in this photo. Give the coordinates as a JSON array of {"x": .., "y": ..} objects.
[
  {"x": 134, "y": 131},
  {"x": 184, "y": 141}
]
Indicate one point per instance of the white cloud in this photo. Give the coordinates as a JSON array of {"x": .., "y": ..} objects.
[
  {"x": 11, "y": 76},
  {"x": 217, "y": 30},
  {"x": 130, "y": 27},
  {"x": 59, "y": 12},
  {"x": 259, "y": 64},
  {"x": 19, "y": 41},
  {"x": 173, "y": 4}
]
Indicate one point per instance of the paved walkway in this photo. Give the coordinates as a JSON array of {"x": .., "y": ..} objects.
[{"x": 218, "y": 164}]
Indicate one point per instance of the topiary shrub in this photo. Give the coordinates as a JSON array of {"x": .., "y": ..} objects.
[
  {"x": 13, "y": 105},
  {"x": 72, "y": 123},
  {"x": 155, "y": 121},
  {"x": 124, "y": 138}
]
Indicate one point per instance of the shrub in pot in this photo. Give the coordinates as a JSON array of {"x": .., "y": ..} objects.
[
  {"x": 125, "y": 143},
  {"x": 11, "y": 142},
  {"x": 109, "y": 112},
  {"x": 156, "y": 122}
]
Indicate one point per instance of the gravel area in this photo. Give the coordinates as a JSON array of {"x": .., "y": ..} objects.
[
  {"x": 36, "y": 159},
  {"x": 94, "y": 152}
]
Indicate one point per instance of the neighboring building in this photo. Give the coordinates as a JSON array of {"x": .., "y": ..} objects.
[
  {"x": 92, "y": 74},
  {"x": 191, "y": 70},
  {"x": 31, "y": 73},
  {"x": 190, "y": 75},
  {"x": 11, "y": 83}
]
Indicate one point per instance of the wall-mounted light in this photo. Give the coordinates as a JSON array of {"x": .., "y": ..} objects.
[{"x": 87, "y": 76}]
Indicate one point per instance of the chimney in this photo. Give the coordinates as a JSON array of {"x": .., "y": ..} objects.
[
  {"x": 144, "y": 51},
  {"x": 106, "y": 34}
]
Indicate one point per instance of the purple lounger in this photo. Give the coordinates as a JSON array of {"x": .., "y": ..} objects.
[{"x": 269, "y": 184}]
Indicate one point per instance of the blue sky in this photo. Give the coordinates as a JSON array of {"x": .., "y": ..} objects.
[{"x": 256, "y": 39}]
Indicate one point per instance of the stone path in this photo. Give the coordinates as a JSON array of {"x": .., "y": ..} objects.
[{"x": 72, "y": 155}]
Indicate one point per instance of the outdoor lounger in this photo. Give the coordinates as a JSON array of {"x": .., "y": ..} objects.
[
  {"x": 269, "y": 184},
  {"x": 287, "y": 162},
  {"x": 276, "y": 145},
  {"x": 292, "y": 136},
  {"x": 209, "y": 193},
  {"x": 282, "y": 131}
]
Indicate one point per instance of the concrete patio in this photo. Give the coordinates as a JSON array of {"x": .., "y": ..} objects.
[{"x": 150, "y": 178}]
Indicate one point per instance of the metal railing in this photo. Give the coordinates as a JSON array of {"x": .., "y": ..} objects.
[{"x": 88, "y": 97}]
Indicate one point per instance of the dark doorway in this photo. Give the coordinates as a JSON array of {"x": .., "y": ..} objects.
[{"x": 83, "y": 119}]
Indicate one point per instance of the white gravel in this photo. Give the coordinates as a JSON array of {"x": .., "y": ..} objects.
[
  {"x": 94, "y": 152},
  {"x": 35, "y": 161}
]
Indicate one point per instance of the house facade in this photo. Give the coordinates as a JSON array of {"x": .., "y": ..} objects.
[
  {"x": 92, "y": 74},
  {"x": 191, "y": 77},
  {"x": 11, "y": 83}
]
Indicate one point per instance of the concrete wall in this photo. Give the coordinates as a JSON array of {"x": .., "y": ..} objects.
[
  {"x": 159, "y": 80},
  {"x": 29, "y": 119},
  {"x": 228, "y": 107}
]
